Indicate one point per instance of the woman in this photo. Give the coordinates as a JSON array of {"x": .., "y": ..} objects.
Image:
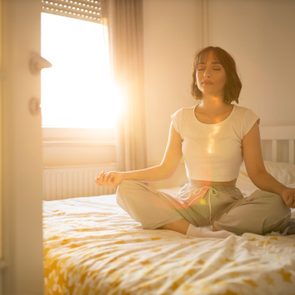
[{"x": 213, "y": 137}]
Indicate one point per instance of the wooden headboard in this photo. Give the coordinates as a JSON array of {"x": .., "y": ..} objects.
[{"x": 278, "y": 143}]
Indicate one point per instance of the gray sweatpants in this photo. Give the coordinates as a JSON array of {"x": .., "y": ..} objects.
[{"x": 223, "y": 207}]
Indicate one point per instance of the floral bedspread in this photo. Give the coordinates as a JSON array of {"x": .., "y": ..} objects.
[{"x": 91, "y": 246}]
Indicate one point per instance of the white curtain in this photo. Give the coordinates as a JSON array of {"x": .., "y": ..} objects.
[{"x": 125, "y": 24}]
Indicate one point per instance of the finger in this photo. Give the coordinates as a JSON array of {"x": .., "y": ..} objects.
[
  {"x": 97, "y": 179},
  {"x": 105, "y": 178},
  {"x": 286, "y": 201},
  {"x": 290, "y": 201},
  {"x": 100, "y": 177},
  {"x": 111, "y": 179},
  {"x": 108, "y": 177}
]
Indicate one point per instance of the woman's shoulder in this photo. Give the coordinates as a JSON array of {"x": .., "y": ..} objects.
[
  {"x": 242, "y": 109},
  {"x": 184, "y": 111},
  {"x": 181, "y": 117},
  {"x": 244, "y": 119}
]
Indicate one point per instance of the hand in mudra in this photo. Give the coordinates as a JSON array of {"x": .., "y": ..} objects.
[
  {"x": 288, "y": 195},
  {"x": 109, "y": 178}
]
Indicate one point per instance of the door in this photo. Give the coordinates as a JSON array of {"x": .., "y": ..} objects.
[{"x": 22, "y": 153}]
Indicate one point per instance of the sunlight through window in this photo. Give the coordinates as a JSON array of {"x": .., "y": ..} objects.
[{"x": 78, "y": 91}]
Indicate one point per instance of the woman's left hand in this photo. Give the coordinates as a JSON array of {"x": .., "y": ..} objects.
[{"x": 288, "y": 195}]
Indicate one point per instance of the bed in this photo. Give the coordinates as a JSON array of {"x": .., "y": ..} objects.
[{"x": 91, "y": 246}]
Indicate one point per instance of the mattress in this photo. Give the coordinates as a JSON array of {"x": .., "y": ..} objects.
[{"x": 91, "y": 246}]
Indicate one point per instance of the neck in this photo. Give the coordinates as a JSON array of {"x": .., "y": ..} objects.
[{"x": 212, "y": 102}]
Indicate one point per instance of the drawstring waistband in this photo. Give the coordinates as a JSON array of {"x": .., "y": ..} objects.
[
  {"x": 202, "y": 183},
  {"x": 211, "y": 191},
  {"x": 190, "y": 194}
]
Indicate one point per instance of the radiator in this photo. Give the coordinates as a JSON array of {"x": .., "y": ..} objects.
[{"x": 68, "y": 182}]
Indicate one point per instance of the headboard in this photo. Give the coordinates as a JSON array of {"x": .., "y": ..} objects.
[{"x": 278, "y": 143}]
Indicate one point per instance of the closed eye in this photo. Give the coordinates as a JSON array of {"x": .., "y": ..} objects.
[{"x": 203, "y": 69}]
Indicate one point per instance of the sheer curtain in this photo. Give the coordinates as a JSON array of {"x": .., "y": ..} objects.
[{"x": 125, "y": 24}]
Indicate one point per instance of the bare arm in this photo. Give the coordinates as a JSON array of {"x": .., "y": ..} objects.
[
  {"x": 256, "y": 170},
  {"x": 167, "y": 166}
]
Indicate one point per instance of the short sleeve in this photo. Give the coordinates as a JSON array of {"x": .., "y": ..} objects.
[
  {"x": 176, "y": 120},
  {"x": 250, "y": 118}
]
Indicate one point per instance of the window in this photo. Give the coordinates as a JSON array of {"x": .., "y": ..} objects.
[{"x": 77, "y": 91}]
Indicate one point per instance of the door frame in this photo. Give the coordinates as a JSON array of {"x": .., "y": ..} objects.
[{"x": 21, "y": 150}]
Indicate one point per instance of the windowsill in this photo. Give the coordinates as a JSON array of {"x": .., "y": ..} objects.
[{"x": 67, "y": 137}]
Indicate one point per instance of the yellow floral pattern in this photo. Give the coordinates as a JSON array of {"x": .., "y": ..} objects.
[{"x": 91, "y": 246}]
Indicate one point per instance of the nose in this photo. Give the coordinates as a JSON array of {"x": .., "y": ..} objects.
[{"x": 207, "y": 72}]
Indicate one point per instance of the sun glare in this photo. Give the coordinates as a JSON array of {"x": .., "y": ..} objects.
[
  {"x": 78, "y": 90},
  {"x": 211, "y": 143}
]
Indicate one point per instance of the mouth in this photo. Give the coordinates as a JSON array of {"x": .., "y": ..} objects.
[{"x": 206, "y": 82}]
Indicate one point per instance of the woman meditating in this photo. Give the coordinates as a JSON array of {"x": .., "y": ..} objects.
[{"x": 213, "y": 137}]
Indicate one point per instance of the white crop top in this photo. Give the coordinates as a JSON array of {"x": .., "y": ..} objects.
[{"x": 213, "y": 151}]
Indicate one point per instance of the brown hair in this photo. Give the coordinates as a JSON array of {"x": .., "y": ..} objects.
[{"x": 233, "y": 83}]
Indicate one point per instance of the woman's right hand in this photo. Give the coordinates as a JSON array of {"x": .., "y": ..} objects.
[{"x": 110, "y": 178}]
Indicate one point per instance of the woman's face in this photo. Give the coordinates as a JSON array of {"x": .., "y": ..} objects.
[{"x": 210, "y": 75}]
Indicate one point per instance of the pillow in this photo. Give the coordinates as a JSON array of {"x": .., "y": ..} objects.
[{"x": 283, "y": 172}]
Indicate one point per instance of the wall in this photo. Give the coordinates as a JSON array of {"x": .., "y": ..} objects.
[
  {"x": 172, "y": 34},
  {"x": 260, "y": 35}
]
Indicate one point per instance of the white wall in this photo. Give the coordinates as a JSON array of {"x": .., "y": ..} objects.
[
  {"x": 172, "y": 34},
  {"x": 258, "y": 33}
]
